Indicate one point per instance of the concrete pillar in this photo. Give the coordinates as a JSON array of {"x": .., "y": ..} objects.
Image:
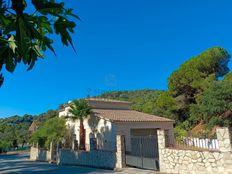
[
  {"x": 50, "y": 153},
  {"x": 34, "y": 153},
  {"x": 120, "y": 154},
  {"x": 224, "y": 139}
]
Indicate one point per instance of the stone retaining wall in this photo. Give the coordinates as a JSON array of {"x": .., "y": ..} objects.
[{"x": 197, "y": 162}]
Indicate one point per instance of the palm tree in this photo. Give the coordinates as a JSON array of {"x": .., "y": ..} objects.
[{"x": 80, "y": 109}]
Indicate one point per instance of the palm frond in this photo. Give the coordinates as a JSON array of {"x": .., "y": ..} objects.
[{"x": 80, "y": 109}]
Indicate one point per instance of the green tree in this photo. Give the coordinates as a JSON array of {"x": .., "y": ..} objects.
[
  {"x": 228, "y": 76},
  {"x": 42, "y": 118},
  {"x": 214, "y": 107},
  {"x": 4, "y": 146},
  {"x": 189, "y": 79},
  {"x": 187, "y": 84},
  {"x": 25, "y": 36},
  {"x": 167, "y": 106},
  {"x": 80, "y": 109},
  {"x": 22, "y": 134},
  {"x": 53, "y": 131}
]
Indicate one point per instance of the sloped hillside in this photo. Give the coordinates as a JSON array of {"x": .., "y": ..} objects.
[{"x": 142, "y": 100}]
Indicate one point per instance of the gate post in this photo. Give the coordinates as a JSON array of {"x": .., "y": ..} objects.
[
  {"x": 224, "y": 139},
  {"x": 161, "y": 146},
  {"x": 120, "y": 154},
  {"x": 50, "y": 153},
  {"x": 161, "y": 139}
]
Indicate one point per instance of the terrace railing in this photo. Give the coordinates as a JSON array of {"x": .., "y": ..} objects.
[{"x": 196, "y": 144}]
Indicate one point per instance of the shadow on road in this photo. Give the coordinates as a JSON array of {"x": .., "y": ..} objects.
[{"x": 20, "y": 164}]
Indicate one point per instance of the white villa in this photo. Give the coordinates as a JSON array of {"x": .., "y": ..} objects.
[
  {"x": 113, "y": 118},
  {"x": 129, "y": 138}
]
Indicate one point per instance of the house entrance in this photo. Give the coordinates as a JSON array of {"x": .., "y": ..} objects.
[{"x": 143, "y": 152}]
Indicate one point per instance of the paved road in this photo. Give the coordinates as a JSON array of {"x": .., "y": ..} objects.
[{"x": 19, "y": 164}]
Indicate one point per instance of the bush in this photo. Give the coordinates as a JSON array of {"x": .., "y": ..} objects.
[
  {"x": 4, "y": 146},
  {"x": 53, "y": 130},
  {"x": 179, "y": 132}
]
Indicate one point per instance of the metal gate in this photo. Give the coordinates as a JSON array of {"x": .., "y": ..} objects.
[{"x": 143, "y": 153}]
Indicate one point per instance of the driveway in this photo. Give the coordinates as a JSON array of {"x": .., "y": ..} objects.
[{"x": 20, "y": 164}]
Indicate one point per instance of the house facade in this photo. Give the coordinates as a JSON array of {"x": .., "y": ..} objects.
[{"x": 111, "y": 118}]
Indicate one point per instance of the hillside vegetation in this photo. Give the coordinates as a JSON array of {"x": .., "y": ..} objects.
[
  {"x": 14, "y": 130},
  {"x": 142, "y": 100}
]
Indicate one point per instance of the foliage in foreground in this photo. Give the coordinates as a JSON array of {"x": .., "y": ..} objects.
[{"x": 25, "y": 36}]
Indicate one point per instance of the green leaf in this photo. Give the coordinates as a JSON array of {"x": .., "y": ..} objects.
[
  {"x": 38, "y": 52},
  {"x": 24, "y": 36},
  {"x": 62, "y": 27},
  {"x": 21, "y": 36},
  {"x": 45, "y": 7},
  {"x": 69, "y": 13},
  {"x": 44, "y": 24},
  {"x": 48, "y": 43},
  {"x": 10, "y": 62}
]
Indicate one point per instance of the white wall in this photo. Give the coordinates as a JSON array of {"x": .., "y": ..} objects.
[
  {"x": 108, "y": 104},
  {"x": 102, "y": 129}
]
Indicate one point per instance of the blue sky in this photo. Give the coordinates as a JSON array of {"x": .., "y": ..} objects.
[{"x": 121, "y": 45}]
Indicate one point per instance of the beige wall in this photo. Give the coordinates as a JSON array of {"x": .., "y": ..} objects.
[
  {"x": 143, "y": 132},
  {"x": 102, "y": 129},
  {"x": 104, "y": 104},
  {"x": 124, "y": 128},
  {"x": 108, "y": 105}
]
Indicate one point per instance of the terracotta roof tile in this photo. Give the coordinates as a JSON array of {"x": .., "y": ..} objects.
[{"x": 128, "y": 116}]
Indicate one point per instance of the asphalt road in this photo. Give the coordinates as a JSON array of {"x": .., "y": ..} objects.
[{"x": 20, "y": 164}]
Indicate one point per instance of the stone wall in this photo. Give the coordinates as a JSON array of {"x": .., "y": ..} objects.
[{"x": 191, "y": 161}]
